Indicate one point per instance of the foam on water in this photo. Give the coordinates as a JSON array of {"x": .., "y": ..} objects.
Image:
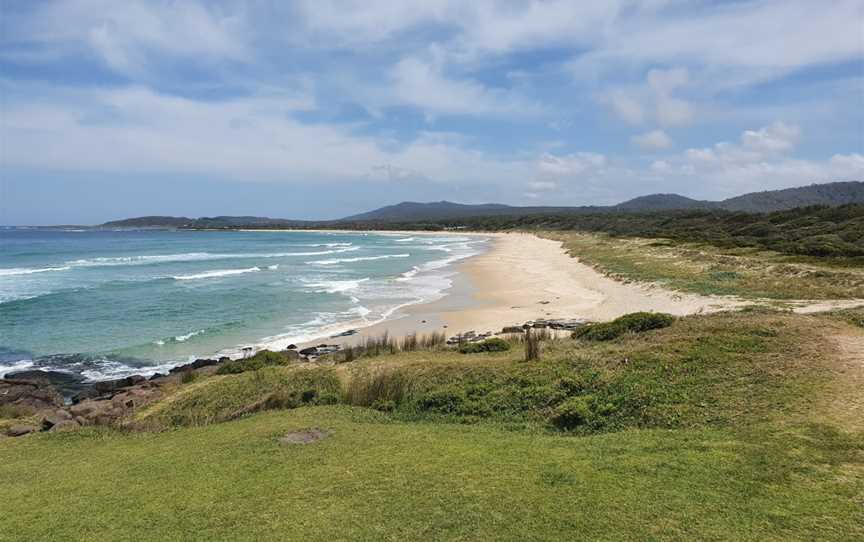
[
  {"x": 134, "y": 314},
  {"x": 336, "y": 286},
  {"x": 15, "y": 271},
  {"x": 217, "y": 273},
  {"x": 336, "y": 261}
]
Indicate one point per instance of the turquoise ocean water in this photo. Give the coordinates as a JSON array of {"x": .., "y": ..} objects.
[{"x": 107, "y": 304}]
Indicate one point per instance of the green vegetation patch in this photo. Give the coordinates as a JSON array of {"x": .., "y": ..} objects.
[
  {"x": 494, "y": 344},
  {"x": 264, "y": 358},
  {"x": 224, "y": 398},
  {"x": 707, "y": 269},
  {"x": 636, "y": 322}
]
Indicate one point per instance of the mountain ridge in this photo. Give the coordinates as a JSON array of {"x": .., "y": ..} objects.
[{"x": 830, "y": 194}]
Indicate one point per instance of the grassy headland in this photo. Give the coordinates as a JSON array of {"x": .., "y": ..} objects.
[{"x": 735, "y": 426}]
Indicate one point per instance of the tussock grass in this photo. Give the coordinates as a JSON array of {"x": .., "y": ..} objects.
[
  {"x": 223, "y": 398},
  {"x": 387, "y": 345}
]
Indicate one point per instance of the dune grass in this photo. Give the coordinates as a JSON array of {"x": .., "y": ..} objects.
[{"x": 706, "y": 269}]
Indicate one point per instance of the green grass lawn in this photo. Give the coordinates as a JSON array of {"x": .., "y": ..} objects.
[
  {"x": 374, "y": 479},
  {"x": 720, "y": 427}
]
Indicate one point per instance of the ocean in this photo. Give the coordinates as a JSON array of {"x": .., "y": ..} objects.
[{"x": 107, "y": 304}]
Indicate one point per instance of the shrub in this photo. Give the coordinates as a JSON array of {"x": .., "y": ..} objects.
[
  {"x": 573, "y": 412},
  {"x": 264, "y": 358},
  {"x": 188, "y": 376},
  {"x": 636, "y": 322},
  {"x": 442, "y": 401},
  {"x": 494, "y": 344}
]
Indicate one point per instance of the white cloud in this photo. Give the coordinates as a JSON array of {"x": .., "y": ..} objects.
[
  {"x": 759, "y": 162},
  {"x": 553, "y": 166},
  {"x": 656, "y": 97},
  {"x": 779, "y": 137},
  {"x": 653, "y": 140},
  {"x": 422, "y": 84},
  {"x": 244, "y": 139},
  {"x": 131, "y": 36},
  {"x": 626, "y": 107},
  {"x": 542, "y": 185}
]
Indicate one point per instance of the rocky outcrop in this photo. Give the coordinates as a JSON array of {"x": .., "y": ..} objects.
[
  {"x": 68, "y": 384},
  {"x": 29, "y": 395}
]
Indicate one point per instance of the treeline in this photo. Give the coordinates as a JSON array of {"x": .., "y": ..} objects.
[{"x": 812, "y": 231}]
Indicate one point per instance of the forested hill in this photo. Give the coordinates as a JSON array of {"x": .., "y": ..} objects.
[
  {"x": 830, "y": 194},
  {"x": 812, "y": 231}
]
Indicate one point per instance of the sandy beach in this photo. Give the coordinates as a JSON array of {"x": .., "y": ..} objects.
[{"x": 523, "y": 277}]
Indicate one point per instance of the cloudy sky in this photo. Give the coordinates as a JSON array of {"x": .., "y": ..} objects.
[{"x": 317, "y": 109}]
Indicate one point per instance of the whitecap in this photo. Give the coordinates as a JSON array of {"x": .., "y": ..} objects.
[
  {"x": 216, "y": 273},
  {"x": 336, "y": 286},
  {"x": 11, "y": 272},
  {"x": 334, "y": 261},
  {"x": 186, "y": 337}
]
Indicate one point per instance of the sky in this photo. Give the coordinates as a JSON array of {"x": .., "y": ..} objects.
[{"x": 322, "y": 108}]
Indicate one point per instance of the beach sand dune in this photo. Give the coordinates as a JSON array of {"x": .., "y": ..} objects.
[{"x": 523, "y": 277}]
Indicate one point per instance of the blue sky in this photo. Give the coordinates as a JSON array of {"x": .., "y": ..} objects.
[{"x": 318, "y": 109}]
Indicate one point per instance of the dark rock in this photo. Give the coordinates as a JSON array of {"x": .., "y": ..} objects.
[
  {"x": 53, "y": 378},
  {"x": 513, "y": 329},
  {"x": 291, "y": 347},
  {"x": 224, "y": 359},
  {"x": 197, "y": 364},
  {"x": 68, "y": 384},
  {"x": 309, "y": 351},
  {"x": 20, "y": 430},
  {"x": 65, "y": 425},
  {"x": 107, "y": 386},
  {"x": 157, "y": 376},
  {"x": 29, "y": 395},
  {"x": 55, "y": 418}
]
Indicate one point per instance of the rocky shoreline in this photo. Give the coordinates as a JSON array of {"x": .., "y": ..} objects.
[{"x": 60, "y": 401}]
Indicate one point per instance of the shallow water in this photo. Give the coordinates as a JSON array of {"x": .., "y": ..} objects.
[{"x": 112, "y": 303}]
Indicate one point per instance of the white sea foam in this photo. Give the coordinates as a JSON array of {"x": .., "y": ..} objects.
[
  {"x": 186, "y": 337},
  {"x": 14, "y": 271},
  {"x": 336, "y": 286},
  {"x": 405, "y": 240},
  {"x": 335, "y": 261},
  {"x": 273, "y": 267},
  {"x": 15, "y": 366},
  {"x": 217, "y": 273},
  {"x": 109, "y": 370},
  {"x": 190, "y": 257}
]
